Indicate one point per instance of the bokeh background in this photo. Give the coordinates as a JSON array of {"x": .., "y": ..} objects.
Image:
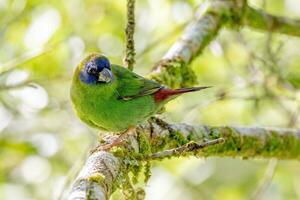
[{"x": 256, "y": 79}]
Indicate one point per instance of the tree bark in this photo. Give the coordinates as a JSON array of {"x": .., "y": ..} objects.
[{"x": 99, "y": 176}]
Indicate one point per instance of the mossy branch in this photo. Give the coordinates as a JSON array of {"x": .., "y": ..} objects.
[
  {"x": 129, "y": 31},
  {"x": 239, "y": 142},
  {"x": 103, "y": 171},
  {"x": 173, "y": 69},
  {"x": 190, "y": 147},
  {"x": 96, "y": 178}
]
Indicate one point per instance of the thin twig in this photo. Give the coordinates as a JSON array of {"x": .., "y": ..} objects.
[
  {"x": 129, "y": 31},
  {"x": 189, "y": 147},
  {"x": 24, "y": 58},
  {"x": 266, "y": 181},
  {"x": 30, "y": 55}
]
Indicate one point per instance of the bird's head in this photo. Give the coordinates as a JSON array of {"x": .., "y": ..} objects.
[{"x": 96, "y": 70}]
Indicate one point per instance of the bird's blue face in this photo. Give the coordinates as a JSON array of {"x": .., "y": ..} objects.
[{"x": 96, "y": 70}]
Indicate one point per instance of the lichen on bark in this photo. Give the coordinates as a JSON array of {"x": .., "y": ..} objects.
[{"x": 174, "y": 73}]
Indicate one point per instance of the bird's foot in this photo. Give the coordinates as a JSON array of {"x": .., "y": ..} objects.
[{"x": 118, "y": 141}]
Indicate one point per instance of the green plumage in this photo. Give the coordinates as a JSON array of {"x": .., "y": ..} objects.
[
  {"x": 112, "y": 98},
  {"x": 102, "y": 106}
]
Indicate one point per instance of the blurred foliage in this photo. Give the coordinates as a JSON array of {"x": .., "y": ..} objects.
[{"x": 256, "y": 78}]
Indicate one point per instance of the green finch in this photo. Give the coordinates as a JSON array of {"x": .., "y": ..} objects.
[{"x": 112, "y": 98}]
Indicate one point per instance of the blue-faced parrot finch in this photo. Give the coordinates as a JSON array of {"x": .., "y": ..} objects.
[{"x": 112, "y": 98}]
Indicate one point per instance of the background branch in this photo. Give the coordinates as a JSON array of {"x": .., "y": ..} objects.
[
  {"x": 261, "y": 20},
  {"x": 266, "y": 180}
]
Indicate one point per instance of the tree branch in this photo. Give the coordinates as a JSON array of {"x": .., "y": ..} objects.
[
  {"x": 173, "y": 69},
  {"x": 261, "y": 20},
  {"x": 101, "y": 174},
  {"x": 239, "y": 141},
  {"x": 26, "y": 57},
  {"x": 130, "y": 52},
  {"x": 95, "y": 180},
  {"x": 266, "y": 180}
]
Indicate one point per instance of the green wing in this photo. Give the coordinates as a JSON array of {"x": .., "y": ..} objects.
[{"x": 131, "y": 85}]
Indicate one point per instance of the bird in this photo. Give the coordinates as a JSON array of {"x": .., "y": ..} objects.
[{"x": 112, "y": 98}]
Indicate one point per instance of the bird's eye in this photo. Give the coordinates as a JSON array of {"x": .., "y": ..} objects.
[{"x": 92, "y": 70}]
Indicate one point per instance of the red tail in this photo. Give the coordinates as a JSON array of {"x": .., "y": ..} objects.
[{"x": 166, "y": 94}]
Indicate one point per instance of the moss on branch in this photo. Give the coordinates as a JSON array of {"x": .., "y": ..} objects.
[
  {"x": 175, "y": 73},
  {"x": 239, "y": 142},
  {"x": 173, "y": 70}
]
